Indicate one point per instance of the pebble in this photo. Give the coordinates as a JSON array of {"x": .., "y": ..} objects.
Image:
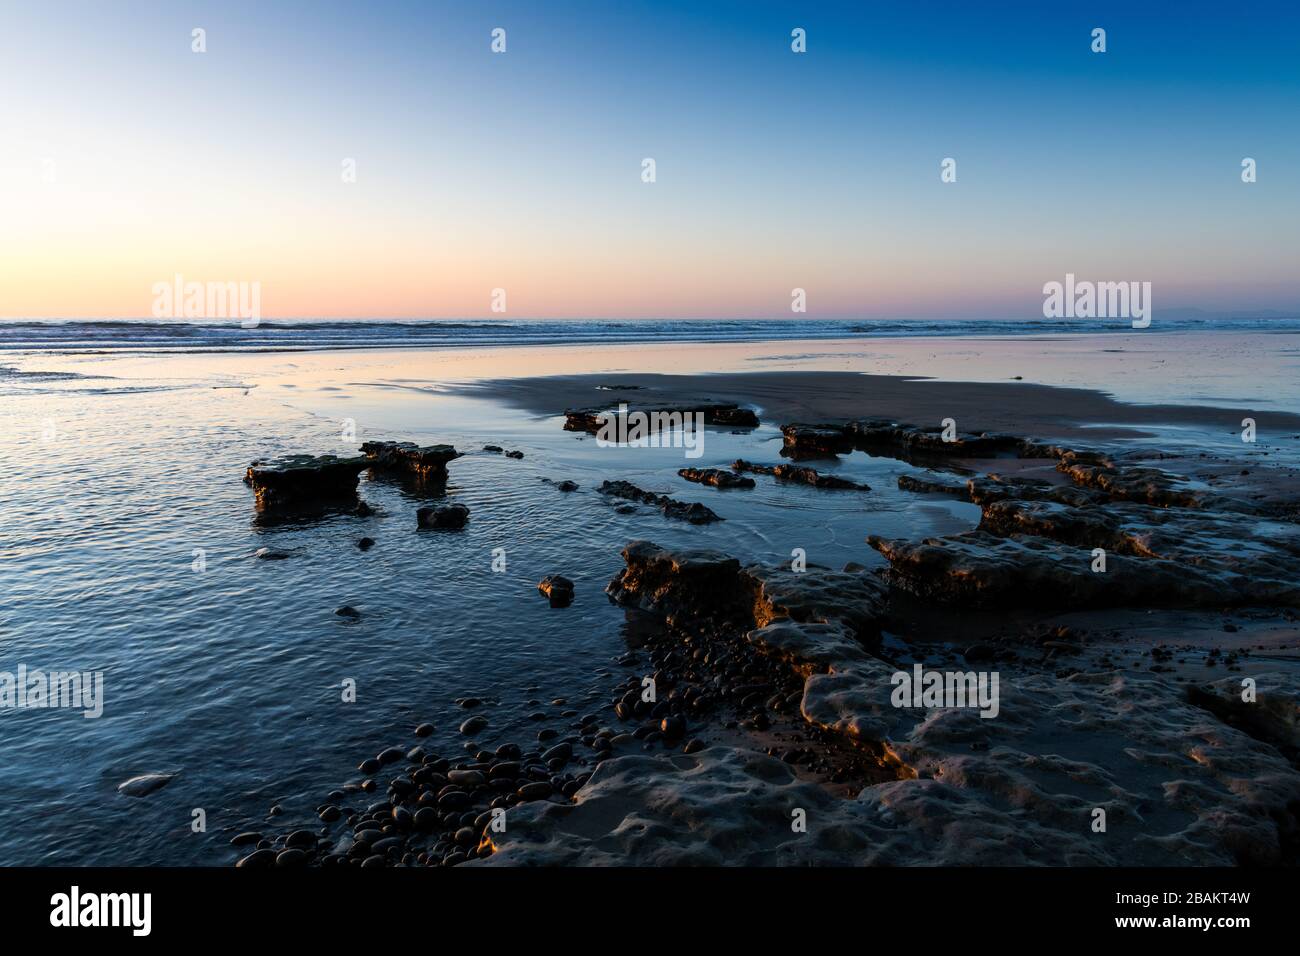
[
  {"x": 473, "y": 724},
  {"x": 453, "y": 800},
  {"x": 258, "y": 858},
  {"x": 145, "y": 784},
  {"x": 538, "y": 790},
  {"x": 672, "y": 727},
  {"x": 301, "y": 839},
  {"x": 506, "y": 770},
  {"x": 561, "y": 751},
  {"x": 424, "y": 730}
]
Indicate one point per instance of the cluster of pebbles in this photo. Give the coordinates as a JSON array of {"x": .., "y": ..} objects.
[{"x": 435, "y": 811}]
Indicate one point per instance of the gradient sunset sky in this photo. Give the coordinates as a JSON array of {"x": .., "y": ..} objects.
[{"x": 125, "y": 158}]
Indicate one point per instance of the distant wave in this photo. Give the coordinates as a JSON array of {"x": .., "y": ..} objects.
[{"x": 151, "y": 335}]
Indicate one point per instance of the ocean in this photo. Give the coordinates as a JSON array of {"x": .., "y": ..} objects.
[{"x": 150, "y": 335}]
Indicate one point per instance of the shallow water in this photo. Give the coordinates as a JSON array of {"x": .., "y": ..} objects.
[{"x": 232, "y": 675}]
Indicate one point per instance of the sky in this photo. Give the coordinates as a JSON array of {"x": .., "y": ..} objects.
[{"x": 127, "y": 159}]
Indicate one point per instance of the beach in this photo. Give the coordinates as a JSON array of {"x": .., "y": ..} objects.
[{"x": 272, "y": 669}]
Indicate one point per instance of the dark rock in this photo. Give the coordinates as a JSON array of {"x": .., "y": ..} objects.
[
  {"x": 695, "y": 513},
  {"x": 672, "y": 727},
  {"x": 301, "y": 839},
  {"x": 145, "y": 784},
  {"x": 800, "y": 474},
  {"x": 258, "y": 859},
  {"x": 558, "y": 589},
  {"x": 473, "y": 725},
  {"x": 427, "y": 461},
  {"x": 304, "y": 479},
  {"x": 717, "y": 477},
  {"x": 538, "y": 790},
  {"x": 447, "y": 517}
]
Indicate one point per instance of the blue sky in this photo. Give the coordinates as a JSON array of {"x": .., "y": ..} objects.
[{"x": 522, "y": 170}]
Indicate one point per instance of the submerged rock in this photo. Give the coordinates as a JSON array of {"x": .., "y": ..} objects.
[
  {"x": 717, "y": 477},
  {"x": 801, "y": 474},
  {"x": 445, "y": 517},
  {"x": 693, "y": 512},
  {"x": 145, "y": 784},
  {"x": 565, "y": 485},
  {"x": 304, "y": 479},
  {"x": 558, "y": 589}
]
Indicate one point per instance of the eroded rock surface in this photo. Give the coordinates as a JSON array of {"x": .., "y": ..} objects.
[
  {"x": 1168, "y": 540},
  {"x": 304, "y": 479},
  {"x": 800, "y": 474},
  {"x": 717, "y": 477},
  {"x": 424, "y": 461},
  {"x": 1176, "y": 784}
]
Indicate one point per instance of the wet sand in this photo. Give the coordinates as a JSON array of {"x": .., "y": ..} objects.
[{"x": 828, "y": 396}]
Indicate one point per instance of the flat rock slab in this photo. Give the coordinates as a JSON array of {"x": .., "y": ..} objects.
[
  {"x": 426, "y": 461},
  {"x": 304, "y": 479}
]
